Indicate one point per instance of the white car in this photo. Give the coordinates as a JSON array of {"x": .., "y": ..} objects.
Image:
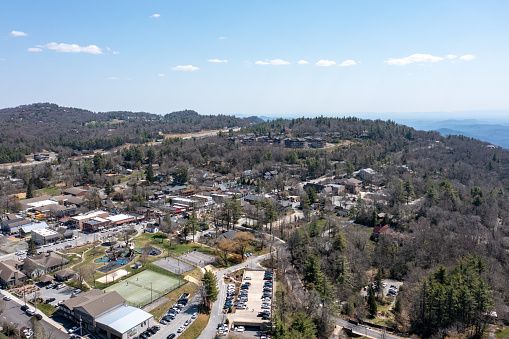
[{"x": 240, "y": 329}]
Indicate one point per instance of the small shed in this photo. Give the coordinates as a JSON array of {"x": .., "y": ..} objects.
[{"x": 46, "y": 279}]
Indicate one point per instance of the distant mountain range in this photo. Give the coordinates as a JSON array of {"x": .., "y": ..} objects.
[{"x": 495, "y": 133}]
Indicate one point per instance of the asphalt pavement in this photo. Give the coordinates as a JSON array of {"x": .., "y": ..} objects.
[{"x": 180, "y": 319}]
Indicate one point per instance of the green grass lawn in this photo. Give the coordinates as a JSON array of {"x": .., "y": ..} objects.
[
  {"x": 196, "y": 327},
  {"x": 50, "y": 191},
  {"x": 502, "y": 333},
  {"x": 47, "y": 309},
  {"x": 160, "y": 310}
]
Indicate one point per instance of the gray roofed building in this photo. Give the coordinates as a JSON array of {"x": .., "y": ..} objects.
[
  {"x": 43, "y": 263},
  {"x": 65, "y": 274},
  {"x": 88, "y": 306},
  {"x": 227, "y": 235},
  {"x": 13, "y": 225}
]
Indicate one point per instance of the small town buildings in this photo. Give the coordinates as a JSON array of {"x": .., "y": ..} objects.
[
  {"x": 45, "y": 236},
  {"x": 76, "y": 192},
  {"x": 41, "y": 264},
  {"x": 120, "y": 219},
  {"x": 78, "y": 220},
  {"x": 12, "y": 223},
  {"x": 96, "y": 224},
  {"x": 107, "y": 314}
]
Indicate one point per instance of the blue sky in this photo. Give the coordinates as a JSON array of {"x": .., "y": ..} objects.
[{"x": 284, "y": 58}]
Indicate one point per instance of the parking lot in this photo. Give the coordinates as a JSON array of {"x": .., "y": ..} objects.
[
  {"x": 173, "y": 265},
  {"x": 13, "y": 314},
  {"x": 249, "y": 317},
  {"x": 59, "y": 295},
  {"x": 198, "y": 259}
]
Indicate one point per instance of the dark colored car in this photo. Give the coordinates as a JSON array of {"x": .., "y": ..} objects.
[
  {"x": 38, "y": 317},
  {"x": 171, "y": 336},
  {"x": 24, "y": 307},
  {"x": 50, "y": 300}
]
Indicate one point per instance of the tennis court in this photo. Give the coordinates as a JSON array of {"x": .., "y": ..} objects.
[{"x": 137, "y": 289}]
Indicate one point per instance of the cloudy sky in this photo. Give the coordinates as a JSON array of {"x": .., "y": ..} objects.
[{"x": 284, "y": 57}]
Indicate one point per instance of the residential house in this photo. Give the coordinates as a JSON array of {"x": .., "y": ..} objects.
[
  {"x": 10, "y": 273},
  {"x": 41, "y": 264}
]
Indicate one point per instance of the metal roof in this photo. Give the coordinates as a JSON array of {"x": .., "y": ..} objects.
[{"x": 124, "y": 318}]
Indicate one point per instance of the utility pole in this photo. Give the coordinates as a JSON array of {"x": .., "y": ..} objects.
[
  {"x": 81, "y": 328},
  {"x": 150, "y": 291}
]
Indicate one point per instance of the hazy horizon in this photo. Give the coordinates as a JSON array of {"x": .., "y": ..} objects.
[{"x": 255, "y": 58}]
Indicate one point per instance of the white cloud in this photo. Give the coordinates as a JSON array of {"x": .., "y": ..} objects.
[
  {"x": 414, "y": 58},
  {"x": 160, "y": 75},
  {"x": 275, "y": 62},
  {"x": 156, "y": 16},
  {"x": 18, "y": 33},
  {"x": 217, "y": 60},
  {"x": 185, "y": 68},
  {"x": 222, "y": 38},
  {"x": 303, "y": 62},
  {"x": 72, "y": 48},
  {"x": 34, "y": 49},
  {"x": 112, "y": 78},
  {"x": 467, "y": 57},
  {"x": 116, "y": 53},
  {"x": 451, "y": 56},
  {"x": 325, "y": 63},
  {"x": 347, "y": 63}
]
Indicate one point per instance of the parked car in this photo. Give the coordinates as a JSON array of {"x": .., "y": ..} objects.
[
  {"x": 7, "y": 298},
  {"x": 50, "y": 300},
  {"x": 171, "y": 336}
]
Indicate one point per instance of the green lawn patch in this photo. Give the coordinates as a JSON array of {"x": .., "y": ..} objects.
[
  {"x": 47, "y": 309},
  {"x": 501, "y": 333},
  {"x": 160, "y": 310},
  {"x": 196, "y": 327}
]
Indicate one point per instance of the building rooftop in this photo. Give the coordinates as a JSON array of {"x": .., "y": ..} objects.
[
  {"x": 118, "y": 217},
  {"x": 45, "y": 232},
  {"x": 124, "y": 318}
]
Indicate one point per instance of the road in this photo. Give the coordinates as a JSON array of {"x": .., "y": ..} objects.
[
  {"x": 81, "y": 240},
  {"x": 365, "y": 331},
  {"x": 180, "y": 319}
]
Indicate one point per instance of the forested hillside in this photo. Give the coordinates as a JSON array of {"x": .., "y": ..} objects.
[
  {"x": 32, "y": 128},
  {"x": 445, "y": 202}
]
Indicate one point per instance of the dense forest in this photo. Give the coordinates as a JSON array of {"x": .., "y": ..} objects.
[
  {"x": 31, "y": 128},
  {"x": 444, "y": 199}
]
